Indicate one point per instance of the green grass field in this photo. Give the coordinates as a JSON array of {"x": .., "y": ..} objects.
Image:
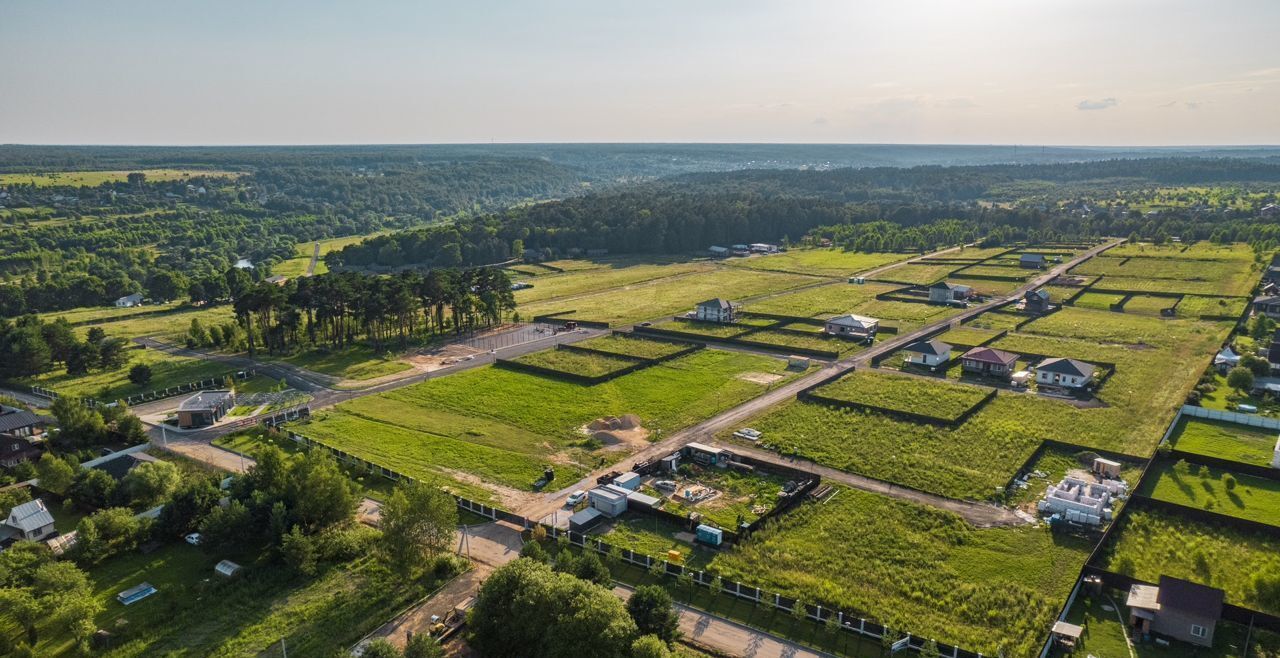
[
  {"x": 915, "y": 395},
  {"x": 1149, "y": 304},
  {"x": 668, "y": 296},
  {"x": 105, "y": 314},
  {"x": 1104, "y": 635},
  {"x": 581, "y": 282},
  {"x": 1194, "y": 307},
  {"x": 1248, "y": 445},
  {"x": 166, "y": 370},
  {"x": 708, "y": 329},
  {"x": 820, "y": 262},
  {"x": 967, "y": 336},
  {"x": 168, "y": 327},
  {"x": 1097, "y": 300},
  {"x": 834, "y": 299},
  {"x": 919, "y": 274},
  {"x": 579, "y": 363},
  {"x": 1214, "y": 490},
  {"x": 95, "y": 178},
  {"x": 915, "y": 568},
  {"x": 655, "y": 536},
  {"x": 636, "y": 346},
  {"x": 245, "y": 617},
  {"x": 503, "y": 427},
  {"x": 1153, "y": 543},
  {"x": 357, "y": 362}
]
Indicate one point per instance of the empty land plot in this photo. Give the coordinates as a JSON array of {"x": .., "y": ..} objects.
[
  {"x": 1140, "y": 285},
  {"x": 1215, "y": 490},
  {"x": 1100, "y": 301},
  {"x": 504, "y": 426},
  {"x": 1233, "y": 277},
  {"x": 902, "y": 393},
  {"x": 1016, "y": 273},
  {"x": 820, "y": 262},
  {"x": 813, "y": 341},
  {"x": 1118, "y": 328},
  {"x": 358, "y": 362},
  {"x": 1197, "y": 251},
  {"x": 834, "y": 299},
  {"x": 1212, "y": 438},
  {"x": 1194, "y": 307},
  {"x": 96, "y": 178},
  {"x": 967, "y": 336},
  {"x": 667, "y": 296},
  {"x": 917, "y": 273},
  {"x": 577, "y": 363},
  {"x": 169, "y": 327},
  {"x": 1060, "y": 294},
  {"x": 986, "y": 286},
  {"x": 635, "y": 346},
  {"x": 916, "y": 568},
  {"x": 104, "y": 314},
  {"x": 1151, "y": 543},
  {"x": 981, "y": 253},
  {"x": 1149, "y": 304},
  {"x": 997, "y": 320},
  {"x": 601, "y": 278},
  {"x": 708, "y": 329},
  {"x": 906, "y": 315}
]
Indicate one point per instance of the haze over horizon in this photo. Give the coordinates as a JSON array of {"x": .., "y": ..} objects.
[{"x": 1092, "y": 73}]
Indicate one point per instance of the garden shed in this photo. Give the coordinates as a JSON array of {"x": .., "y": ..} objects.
[
  {"x": 136, "y": 593},
  {"x": 629, "y": 481},
  {"x": 610, "y": 500},
  {"x": 226, "y": 568},
  {"x": 585, "y": 519}
]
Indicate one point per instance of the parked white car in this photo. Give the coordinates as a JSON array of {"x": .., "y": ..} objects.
[
  {"x": 748, "y": 434},
  {"x": 194, "y": 539},
  {"x": 575, "y": 498}
]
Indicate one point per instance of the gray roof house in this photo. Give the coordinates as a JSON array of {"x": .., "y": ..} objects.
[
  {"x": 31, "y": 520},
  {"x": 1066, "y": 373},
  {"x": 1031, "y": 261},
  {"x": 118, "y": 467},
  {"x": 1176, "y": 608}
]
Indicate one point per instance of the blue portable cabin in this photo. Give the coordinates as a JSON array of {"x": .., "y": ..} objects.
[
  {"x": 136, "y": 593},
  {"x": 709, "y": 535}
]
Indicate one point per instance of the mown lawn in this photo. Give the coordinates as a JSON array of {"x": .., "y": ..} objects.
[
  {"x": 108, "y": 385},
  {"x": 633, "y": 345},
  {"x": 195, "y": 613},
  {"x": 1233, "y": 494},
  {"x": 708, "y": 329},
  {"x": 918, "y": 569},
  {"x": 654, "y": 536},
  {"x": 834, "y": 299},
  {"x": 1152, "y": 543},
  {"x": 1248, "y": 445}
]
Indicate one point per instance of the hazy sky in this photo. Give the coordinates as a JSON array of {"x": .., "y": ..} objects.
[{"x": 368, "y": 71}]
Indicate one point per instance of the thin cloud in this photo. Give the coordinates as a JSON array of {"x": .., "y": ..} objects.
[{"x": 1097, "y": 105}]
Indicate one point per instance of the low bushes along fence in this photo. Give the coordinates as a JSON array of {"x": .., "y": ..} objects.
[
  {"x": 157, "y": 394},
  {"x": 847, "y": 622}
]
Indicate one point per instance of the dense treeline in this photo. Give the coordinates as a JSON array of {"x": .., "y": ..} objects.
[
  {"x": 29, "y": 346},
  {"x": 334, "y": 310}
]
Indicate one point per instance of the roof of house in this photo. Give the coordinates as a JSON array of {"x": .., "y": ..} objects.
[
  {"x": 715, "y": 303},
  {"x": 1042, "y": 294},
  {"x": 610, "y": 493},
  {"x": 931, "y": 347},
  {"x": 1266, "y": 300},
  {"x": 279, "y": 278},
  {"x": 120, "y": 466},
  {"x": 20, "y": 418},
  {"x": 851, "y": 320},
  {"x": 1063, "y": 366},
  {"x": 204, "y": 400},
  {"x": 1031, "y": 257},
  {"x": 1190, "y": 598},
  {"x": 31, "y": 515},
  {"x": 941, "y": 285},
  {"x": 135, "y": 297},
  {"x": 991, "y": 355},
  {"x": 1144, "y": 597}
]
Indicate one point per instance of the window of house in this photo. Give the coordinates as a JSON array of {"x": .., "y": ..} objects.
[{"x": 1198, "y": 631}]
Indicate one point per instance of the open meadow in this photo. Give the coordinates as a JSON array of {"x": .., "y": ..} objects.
[
  {"x": 1201, "y": 487},
  {"x": 96, "y": 178},
  {"x": 819, "y": 262},
  {"x": 1248, "y": 445}
]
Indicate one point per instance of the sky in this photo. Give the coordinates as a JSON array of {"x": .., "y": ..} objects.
[{"x": 1065, "y": 72}]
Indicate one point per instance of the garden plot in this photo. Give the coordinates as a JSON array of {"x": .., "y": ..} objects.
[
  {"x": 1197, "y": 251},
  {"x": 708, "y": 329},
  {"x": 915, "y": 568},
  {"x": 1016, "y": 273},
  {"x": 667, "y": 296},
  {"x": 827, "y": 301},
  {"x": 1098, "y": 301},
  {"x": 1172, "y": 286},
  {"x": 968, "y": 336},
  {"x": 1120, "y": 328},
  {"x": 881, "y": 391},
  {"x": 1054, "y": 463},
  {"x": 997, "y": 320},
  {"x": 819, "y": 262},
  {"x": 1214, "y": 490},
  {"x": 501, "y": 427},
  {"x": 1149, "y": 304},
  {"x": 1247, "y": 445},
  {"x": 986, "y": 287},
  {"x": 1150, "y": 543},
  {"x": 577, "y": 363},
  {"x": 1194, "y": 307}
]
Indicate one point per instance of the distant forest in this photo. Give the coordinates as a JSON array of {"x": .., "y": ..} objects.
[{"x": 465, "y": 206}]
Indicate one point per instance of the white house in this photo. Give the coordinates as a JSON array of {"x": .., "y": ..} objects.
[
  {"x": 129, "y": 300},
  {"x": 716, "y": 310},
  {"x": 1065, "y": 373},
  {"x": 928, "y": 353},
  {"x": 852, "y": 326},
  {"x": 31, "y": 520}
]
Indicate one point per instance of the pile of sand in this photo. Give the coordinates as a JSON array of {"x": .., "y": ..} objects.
[{"x": 618, "y": 431}]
